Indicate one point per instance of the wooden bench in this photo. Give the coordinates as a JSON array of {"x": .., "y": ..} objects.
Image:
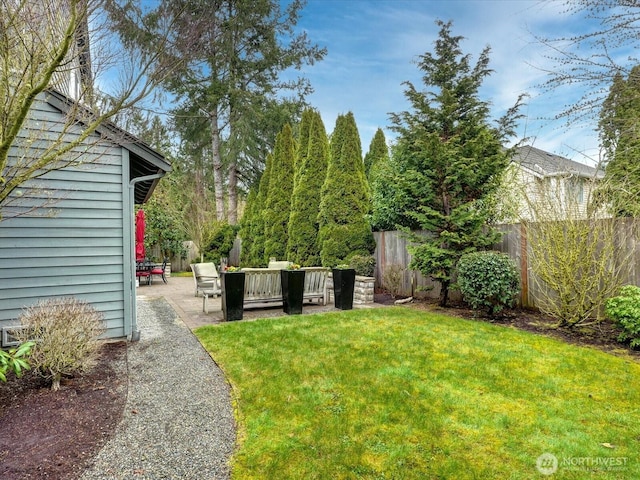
[
  {"x": 264, "y": 286},
  {"x": 315, "y": 281},
  {"x": 315, "y": 285}
]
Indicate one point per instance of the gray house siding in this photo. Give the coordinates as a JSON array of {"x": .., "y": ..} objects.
[{"x": 78, "y": 244}]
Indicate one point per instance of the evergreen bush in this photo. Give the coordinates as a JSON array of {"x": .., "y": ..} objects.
[
  {"x": 255, "y": 252},
  {"x": 221, "y": 242},
  {"x": 278, "y": 204},
  {"x": 364, "y": 265},
  {"x": 488, "y": 281},
  {"x": 625, "y": 310}
]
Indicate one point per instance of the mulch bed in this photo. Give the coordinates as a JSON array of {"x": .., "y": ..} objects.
[{"x": 55, "y": 435}]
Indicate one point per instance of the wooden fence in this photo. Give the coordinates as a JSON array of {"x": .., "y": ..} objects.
[{"x": 392, "y": 254}]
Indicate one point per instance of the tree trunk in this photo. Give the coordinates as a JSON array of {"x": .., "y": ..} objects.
[
  {"x": 444, "y": 293},
  {"x": 217, "y": 165}
]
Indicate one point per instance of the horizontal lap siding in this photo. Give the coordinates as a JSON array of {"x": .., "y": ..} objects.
[{"x": 73, "y": 245}]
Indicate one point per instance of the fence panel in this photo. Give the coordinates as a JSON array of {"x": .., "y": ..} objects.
[{"x": 391, "y": 250}]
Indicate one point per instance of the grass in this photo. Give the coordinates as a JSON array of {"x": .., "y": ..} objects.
[
  {"x": 396, "y": 393},
  {"x": 181, "y": 274}
]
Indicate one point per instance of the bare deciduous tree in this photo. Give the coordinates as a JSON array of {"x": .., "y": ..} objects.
[
  {"x": 592, "y": 59},
  {"x": 578, "y": 255},
  {"x": 66, "y": 45}
]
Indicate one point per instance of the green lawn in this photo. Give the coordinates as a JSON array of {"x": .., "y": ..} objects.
[{"x": 406, "y": 394}]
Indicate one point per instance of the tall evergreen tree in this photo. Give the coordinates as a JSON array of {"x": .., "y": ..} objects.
[
  {"x": 303, "y": 143},
  {"x": 305, "y": 202},
  {"x": 232, "y": 55},
  {"x": 246, "y": 233},
  {"x": 378, "y": 152},
  {"x": 256, "y": 230},
  {"x": 278, "y": 206},
  {"x": 619, "y": 127},
  {"x": 343, "y": 227},
  {"x": 449, "y": 157}
]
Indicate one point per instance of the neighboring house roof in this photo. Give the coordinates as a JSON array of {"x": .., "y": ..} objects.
[
  {"x": 545, "y": 164},
  {"x": 144, "y": 160}
]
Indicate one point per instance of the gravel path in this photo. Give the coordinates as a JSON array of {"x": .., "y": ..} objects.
[{"x": 178, "y": 421}]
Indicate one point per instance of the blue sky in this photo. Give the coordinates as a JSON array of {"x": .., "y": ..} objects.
[{"x": 373, "y": 44}]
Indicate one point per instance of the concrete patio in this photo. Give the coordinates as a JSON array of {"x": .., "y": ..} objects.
[{"x": 179, "y": 292}]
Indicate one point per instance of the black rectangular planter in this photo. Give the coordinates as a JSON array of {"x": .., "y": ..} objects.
[
  {"x": 343, "y": 284},
  {"x": 232, "y": 295},
  {"x": 292, "y": 291}
]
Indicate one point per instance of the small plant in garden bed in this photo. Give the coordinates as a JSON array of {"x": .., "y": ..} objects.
[
  {"x": 14, "y": 360},
  {"x": 392, "y": 279},
  {"x": 65, "y": 332},
  {"x": 625, "y": 310}
]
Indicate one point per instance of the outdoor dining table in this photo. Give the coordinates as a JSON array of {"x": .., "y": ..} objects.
[{"x": 143, "y": 269}]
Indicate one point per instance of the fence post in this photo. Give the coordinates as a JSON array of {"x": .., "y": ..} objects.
[{"x": 524, "y": 267}]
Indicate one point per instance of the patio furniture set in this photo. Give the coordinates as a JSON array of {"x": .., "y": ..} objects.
[
  {"x": 262, "y": 286},
  {"x": 146, "y": 269}
]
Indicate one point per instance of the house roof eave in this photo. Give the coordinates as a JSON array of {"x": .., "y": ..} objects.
[{"x": 144, "y": 160}]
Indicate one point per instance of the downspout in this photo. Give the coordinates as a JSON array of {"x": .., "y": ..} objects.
[{"x": 135, "y": 333}]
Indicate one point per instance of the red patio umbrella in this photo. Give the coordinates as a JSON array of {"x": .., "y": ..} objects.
[{"x": 140, "y": 225}]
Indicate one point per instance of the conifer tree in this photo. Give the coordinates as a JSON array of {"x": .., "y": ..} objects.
[
  {"x": 337, "y": 138},
  {"x": 449, "y": 158},
  {"x": 343, "y": 228},
  {"x": 247, "y": 226},
  {"x": 278, "y": 205},
  {"x": 305, "y": 202},
  {"x": 256, "y": 229},
  {"x": 619, "y": 133},
  {"x": 303, "y": 143},
  {"x": 378, "y": 151}
]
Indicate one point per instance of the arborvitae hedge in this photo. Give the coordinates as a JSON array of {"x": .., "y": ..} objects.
[
  {"x": 343, "y": 227},
  {"x": 255, "y": 257},
  {"x": 378, "y": 151},
  {"x": 279, "y": 199},
  {"x": 303, "y": 143},
  {"x": 303, "y": 223},
  {"x": 247, "y": 227}
]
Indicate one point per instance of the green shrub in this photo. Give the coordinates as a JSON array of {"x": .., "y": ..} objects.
[
  {"x": 488, "y": 281},
  {"x": 65, "y": 332},
  {"x": 364, "y": 265},
  {"x": 625, "y": 310},
  {"x": 14, "y": 360},
  {"x": 221, "y": 242}
]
